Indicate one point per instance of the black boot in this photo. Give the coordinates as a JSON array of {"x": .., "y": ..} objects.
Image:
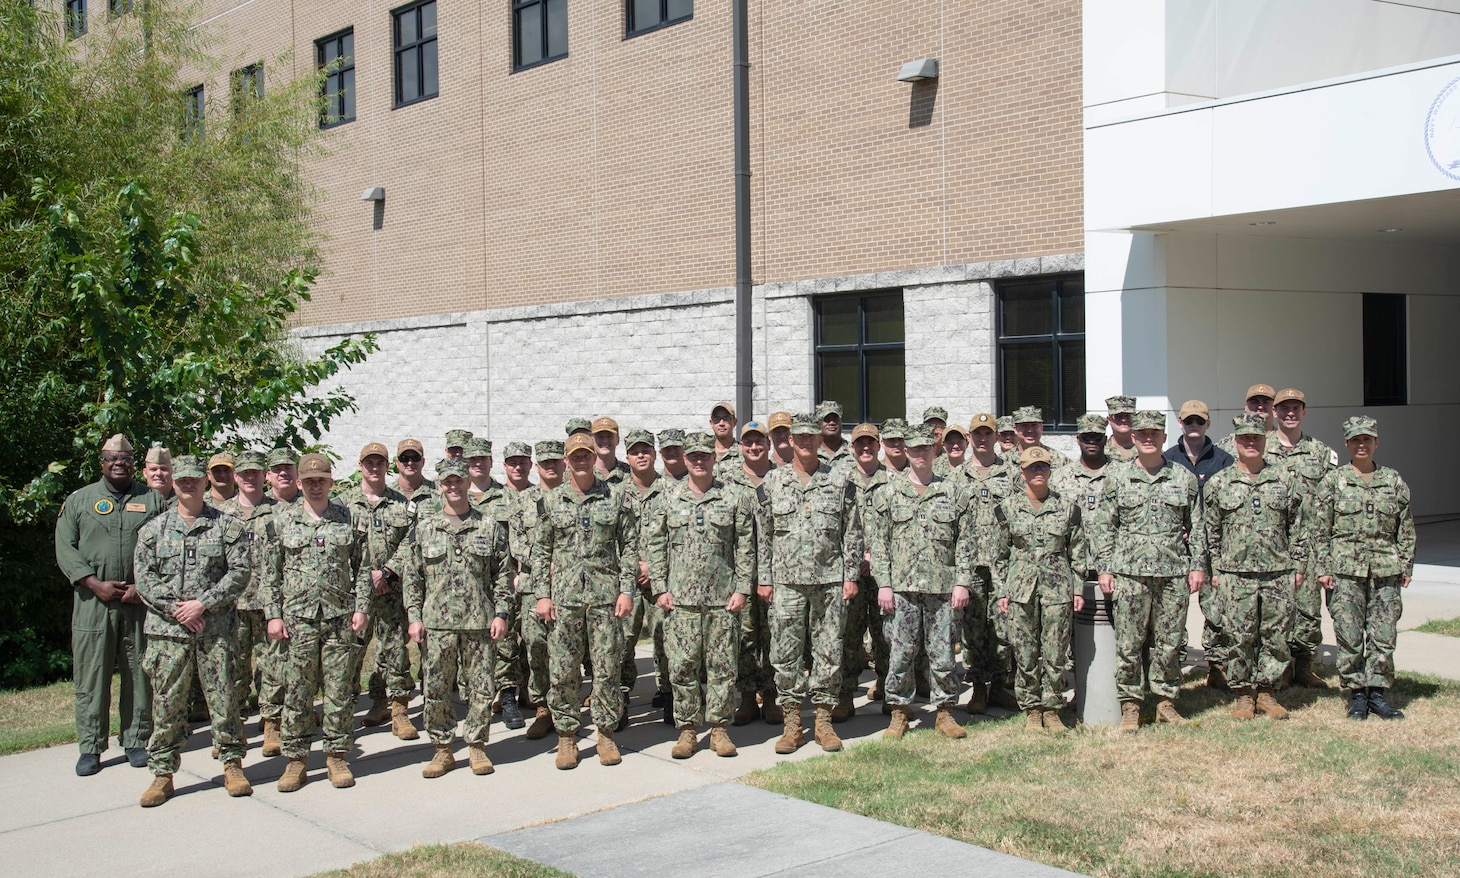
[
  {"x": 668, "y": 709},
  {"x": 623, "y": 716},
  {"x": 1380, "y": 706},
  {"x": 511, "y": 713},
  {"x": 1358, "y": 704}
]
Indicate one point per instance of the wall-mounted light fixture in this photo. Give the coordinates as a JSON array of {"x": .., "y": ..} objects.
[
  {"x": 919, "y": 70},
  {"x": 374, "y": 193}
]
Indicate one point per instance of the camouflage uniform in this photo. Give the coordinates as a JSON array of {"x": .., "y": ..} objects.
[
  {"x": 257, "y": 660},
  {"x": 644, "y": 504},
  {"x": 812, "y": 543},
  {"x": 1254, "y": 535},
  {"x": 1118, "y": 454},
  {"x": 456, "y": 577},
  {"x": 1086, "y": 489},
  {"x": 1363, "y": 536},
  {"x": 207, "y": 561},
  {"x": 864, "y": 617},
  {"x": 387, "y": 522},
  {"x": 985, "y": 631},
  {"x": 1150, "y": 538},
  {"x": 1030, "y": 556},
  {"x": 1309, "y": 460},
  {"x": 922, "y": 546},
  {"x": 316, "y": 580},
  {"x": 495, "y": 504},
  {"x": 701, "y": 550},
  {"x": 754, "y": 672},
  {"x": 584, "y": 556},
  {"x": 521, "y": 529}
]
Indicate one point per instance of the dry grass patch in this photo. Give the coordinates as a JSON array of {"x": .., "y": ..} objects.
[
  {"x": 468, "y": 860},
  {"x": 1318, "y": 794},
  {"x": 43, "y": 716},
  {"x": 1447, "y": 627}
]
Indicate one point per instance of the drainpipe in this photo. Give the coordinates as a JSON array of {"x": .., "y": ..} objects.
[{"x": 744, "y": 382}]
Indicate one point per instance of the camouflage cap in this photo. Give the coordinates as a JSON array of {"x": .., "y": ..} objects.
[
  {"x": 918, "y": 435},
  {"x": 1291, "y": 393},
  {"x": 578, "y": 425},
  {"x": 281, "y": 457},
  {"x": 409, "y": 445},
  {"x": 1360, "y": 425},
  {"x": 672, "y": 437},
  {"x": 894, "y": 428},
  {"x": 187, "y": 466},
  {"x": 551, "y": 449},
  {"x": 315, "y": 466},
  {"x": 780, "y": 419},
  {"x": 1148, "y": 419},
  {"x": 1091, "y": 423},
  {"x": 605, "y": 425},
  {"x": 1028, "y": 414},
  {"x": 638, "y": 436},
  {"x": 222, "y": 458},
  {"x": 1006, "y": 424},
  {"x": 1120, "y": 405},
  {"x": 457, "y": 438},
  {"x": 475, "y": 447},
  {"x": 157, "y": 455},
  {"x": 517, "y": 449},
  {"x": 377, "y": 449},
  {"x": 1032, "y": 455},
  {"x": 699, "y": 443},
  {"x": 935, "y": 412},
  {"x": 117, "y": 443},
  {"x": 983, "y": 421},
  {"x": 865, "y": 430},
  {"x": 1249, "y": 424},
  {"x": 1194, "y": 407},
  {"x": 579, "y": 442},
  {"x": 954, "y": 428},
  {"x": 452, "y": 466},
  {"x": 249, "y": 461},
  {"x": 1260, "y": 390},
  {"x": 723, "y": 404},
  {"x": 828, "y": 407},
  {"x": 752, "y": 427},
  {"x": 804, "y": 422}
]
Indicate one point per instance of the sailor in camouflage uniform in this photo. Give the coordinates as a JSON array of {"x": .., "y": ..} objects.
[
  {"x": 989, "y": 478},
  {"x": 1120, "y": 447},
  {"x": 835, "y": 450},
  {"x": 521, "y": 533},
  {"x": 1258, "y": 401},
  {"x": 863, "y": 616},
  {"x": 754, "y": 675},
  {"x": 1364, "y": 540},
  {"x": 701, "y": 545},
  {"x": 410, "y": 466},
  {"x": 192, "y": 563},
  {"x": 722, "y": 427},
  {"x": 492, "y": 499},
  {"x": 605, "y": 440},
  {"x": 1008, "y": 438},
  {"x": 458, "y": 584},
  {"x": 1029, "y": 428},
  {"x": 1253, "y": 519},
  {"x": 671, "y": 452},
  {"x": 644, "y": 491},
  {"x": 1151, "y": 560},
  {"x": 923, "y": 543}
]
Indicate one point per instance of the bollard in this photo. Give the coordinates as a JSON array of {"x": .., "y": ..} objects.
[{"x": 1094, "y": 647}]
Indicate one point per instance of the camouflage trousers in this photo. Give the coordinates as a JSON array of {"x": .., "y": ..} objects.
[
  {"x": 509, "y": 668},
  {"x": 390, "y": 677},
  {"x": 1366, "y": 615},
  {"x": 1258, "y": 609},
  {"x": 984, "y": 633},
  {"x": 1305, "y": 633},
  {"x": 172, "y": 664},
  {"x": 258, "y": 663},
  {"x": 920, "y": 623},
  {"x": 1149, "y": 610},
  {"x": 324, "y": 655},
  {"x": 594, "y": 631},
  {"x": 702, "y": 641},
  {"x": 534, "y": 633},
  {"x": 646, "y": 612},
  {"x": 452, "y": 657},
  {"x": 1213, "y": 627},
  {"x": 1040, "y": 632},
  {"x": 755, "y": 673},
  {"x": 799, "y": 613},
  {"x": 863, "y": 618}
]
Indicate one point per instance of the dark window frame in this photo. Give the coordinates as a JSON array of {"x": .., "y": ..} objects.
[
  {"x": 195, "y": 107},
  {"x": 1385, "y": 319},
  {"x": 118, "y": 8},
  {"x": 631, "y": 28},
  {"x": 335, "y": 43},
  {"x": 398, "y": 49},
  {"x": 861, "y": 348},
  {"x": 1055, "y": 337},
  {"x": 539, "y": 6},
  {"x": 74, "y": 19},
  {"x": 246, "y": 84}
]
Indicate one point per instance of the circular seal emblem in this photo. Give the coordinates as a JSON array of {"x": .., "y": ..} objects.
[
  {"x": 1442, "y": 130},
  {"x": 104, "y": 506}
]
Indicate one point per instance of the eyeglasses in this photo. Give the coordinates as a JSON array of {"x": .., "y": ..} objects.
[
  {"x": 118, "y": 458},
  {"x": 721, "y": 417},
  {"x": 1198, "y": 420},
  {"x": 409, "y": 458},
  {"x": 1038, "y": 467}
]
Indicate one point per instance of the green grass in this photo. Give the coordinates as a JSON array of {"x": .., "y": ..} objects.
[
  {"x": 1447, "y": 627},
  {"x": 468, "y": 860},
  {"x": 1318, "y": 794},
  {"x": 43, "y": 716}
]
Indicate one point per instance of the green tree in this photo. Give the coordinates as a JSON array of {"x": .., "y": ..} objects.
[{"x": 150, "y": 264}]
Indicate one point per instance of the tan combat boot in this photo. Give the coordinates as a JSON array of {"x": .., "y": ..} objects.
[
  {"x": 1303, "y": 673},
  {"x": 234, "y": 781},
  {"x": 1243, "y": 708},
  {"x": 720, "y": 741},
  {"x": 542, "y": 723},
  {"x": 876, "y": 690},
  {"x": 339, "y": 771},
  {"x": 441, "y": 762},
  {"x": 1034, "y": 719},
  {"x": 826, "y": 736},
  {"x": 843, "y": 710},
  {"x": 294, "y": 776},
  {"x": 1267, "y": 704},
  {"x": 477, "y": 756},
  {"x": 272, "y": 745},
  {"x": 400, "y": 721},
  {"x": 1166, "y": 712},
  {"x": 687, "y": 745},
  {"x": 771, "y": 712},
  {"x": 1053, "y": 722},
  {"x": 899, "y": 726},
  {"x": 1217, "y": 677},
  {"x": 747, "y": 711},
  {"x": 949, "y": 726},
  {"x": 791, "y": 732},
  {"x": 978, "y": 699},
  {"x": 567, "y": 751},
  {"x": 379, "y": 713},
  {"x": 607, "y": 750},
  {"x": 1130, "y": 717},
  {"x": 159, "y": 792}
]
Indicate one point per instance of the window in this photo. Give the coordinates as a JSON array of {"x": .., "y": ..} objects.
[
  {"x": 248, "y": 85},
  {"x": 118, "y": 8},
  {"x": 539, "y": 31},
  {"x": 415, "y": 53},
  {"x": 859, "y": 355},
  {"x": 1386, "y": 350},
  {"x": 193, "y": 112},
  {"x": 75, "y": 18},
  {"x": 337, "y": 53},
  {"x": 1041, "y": 340},
  {"x": 647, "y": 15}
]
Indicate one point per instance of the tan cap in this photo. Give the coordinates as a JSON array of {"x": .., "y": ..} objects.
[
  {"x": 374, "y": 448},
  {"x": 222, "y": 458},
  {"x": 722, "y": 404},
  {"x": 159, "y": 456},
  {"x": 409, "y": 445},
  {"x": 1033, "y": 454},
  {"x": 117, "y": 442},
  {"x": 314, "y": 466},
  {"x": 865, "y": 430},
  {"x": 1260, "y": 390},
  {"x": 752, "y": 427},
  {"x": 984, "y": 420},
  {"x": 954, "y": 428},
  {"x": 577, "y": 442},
  {"x": 1292, "y": 393},
  {"x": 605, "y": 425},
  {"x": 1193, "y": 407},
  {"x": 779, "y": 419}
]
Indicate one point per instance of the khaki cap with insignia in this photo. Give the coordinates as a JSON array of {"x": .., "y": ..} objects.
[
  {"x": 375, "y": 448},
  {"x": 1292, "y": 393},
  {"x": 605, "y": 425},
  {"x": 918, "y": 435},
  {"x": 457, "y": 438},
  {"x": 409, "y": 445},
  {"x": 1194, "y": 407},
  {"x": 722, "y": 404},
  {"x": 1260, "y": 390},
  {"x": 985, "y": 421},
  {"x": 157, "y": 455},
  {"x": 453, "y": 466},
  {"x": 865, "y": 430},
  {"x": 517, "y": 449},
  {"x": 187, "y": 466},
  {"x": 752, "y": 427},
  {"x": 894, "y": 428},
  {"x": 1360, "y": 425},
  {"x": 828, "y": 407},
  {"x": 672, "y": 437},
  {"x": 578, "y": 425},
  {"x": 249, "y": 461},
  {"x": 1028, "y": 414},
  {"x": 1120, "y": 405},
  {"x": 315, "y": 466},
  {"x": 117, "y": 442},
  {"x": 1148, "y": 419},
  {"x": 1091, "y": 423},
  {"x": 1032, "y": 455},
  {"x": 476, "y": 447},
  {"x": 699, "y": 442},
  {"x": 578, "y": 442},
  {"x": 1249, "y": 424},
  {"x": 803, "y": 423},
  {"x": 550, "y": 449},
  {"x": 935, "y": 412},
  {"x": 954, "y": 428},
  {"x": 780, "y": 419},
  {"x": 639, "y": 437},
  {"x": 281, "y": 457},
  {"x": 222, "y": 458}
]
